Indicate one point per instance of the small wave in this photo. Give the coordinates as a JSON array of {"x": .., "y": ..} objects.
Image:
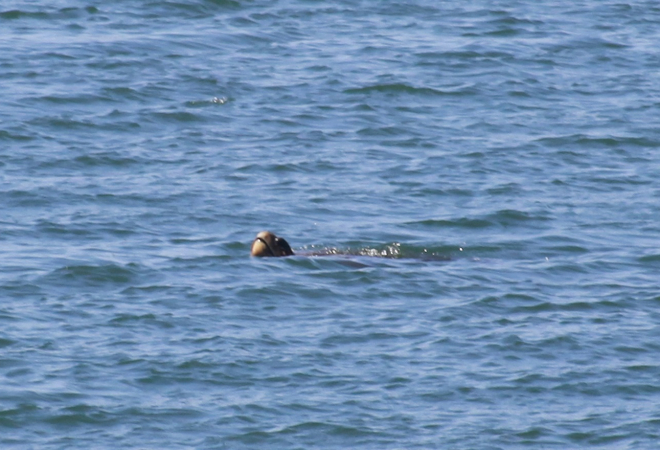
[
  {"x": 568, "y": 249},
  {"x": 324, "y": 428},
  {"x": 123, "y": 93},
  {"x": 653, "y": 258},
  {"x": 125, "y": 318},
  {"x": 64, "y": 123},
  {"x": 461, "y": 222},
  {"x": 399, "y": 88},
  {"x": 382, "y": 131},
  {"x": 505, "y": 217},
  {"x": 73, "y": 419},
  {"x": 63, "y": 13},
  {"x": 17, "y": 14},
  {"x": 511, "y": 217},
  {"x": 6, "y": 342},
  {"x": 178, "y": 116},
  {"x": 599, "y": 142},
  {"x": 577, "y": 306},
  {"x": 80, "y": 99},
  {"x": 8, "y": 136},
  {"x": 196, "y": 9},
  {"x": 511, "y": 20},
  {"x": 94, "y": 275},
  {"x": 105, "y": 160},
  {"x": 20, "y": 198}
]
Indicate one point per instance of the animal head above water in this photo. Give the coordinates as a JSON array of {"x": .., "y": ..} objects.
[{"x": 267, "y": 244}]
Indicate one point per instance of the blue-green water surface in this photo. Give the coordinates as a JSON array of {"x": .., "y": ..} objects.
[{"x": 485, "y": 176}]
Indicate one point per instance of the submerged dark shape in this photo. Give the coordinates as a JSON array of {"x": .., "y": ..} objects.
[{"x": 267, "y": 244}]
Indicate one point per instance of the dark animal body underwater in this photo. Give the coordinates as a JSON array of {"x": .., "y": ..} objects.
[{"x": 267, "y": 244}]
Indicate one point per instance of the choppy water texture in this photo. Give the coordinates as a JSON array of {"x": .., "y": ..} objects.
[{"x": 505, "y": 153}]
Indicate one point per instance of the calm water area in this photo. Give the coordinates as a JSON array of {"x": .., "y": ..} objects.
[{"x": 483, "y": 176}]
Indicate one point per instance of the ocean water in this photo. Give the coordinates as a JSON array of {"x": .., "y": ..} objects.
[{"x": 486, "y": 175}]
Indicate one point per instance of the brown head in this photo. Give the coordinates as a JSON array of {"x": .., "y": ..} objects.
[{"x": 267, "y": 244}]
